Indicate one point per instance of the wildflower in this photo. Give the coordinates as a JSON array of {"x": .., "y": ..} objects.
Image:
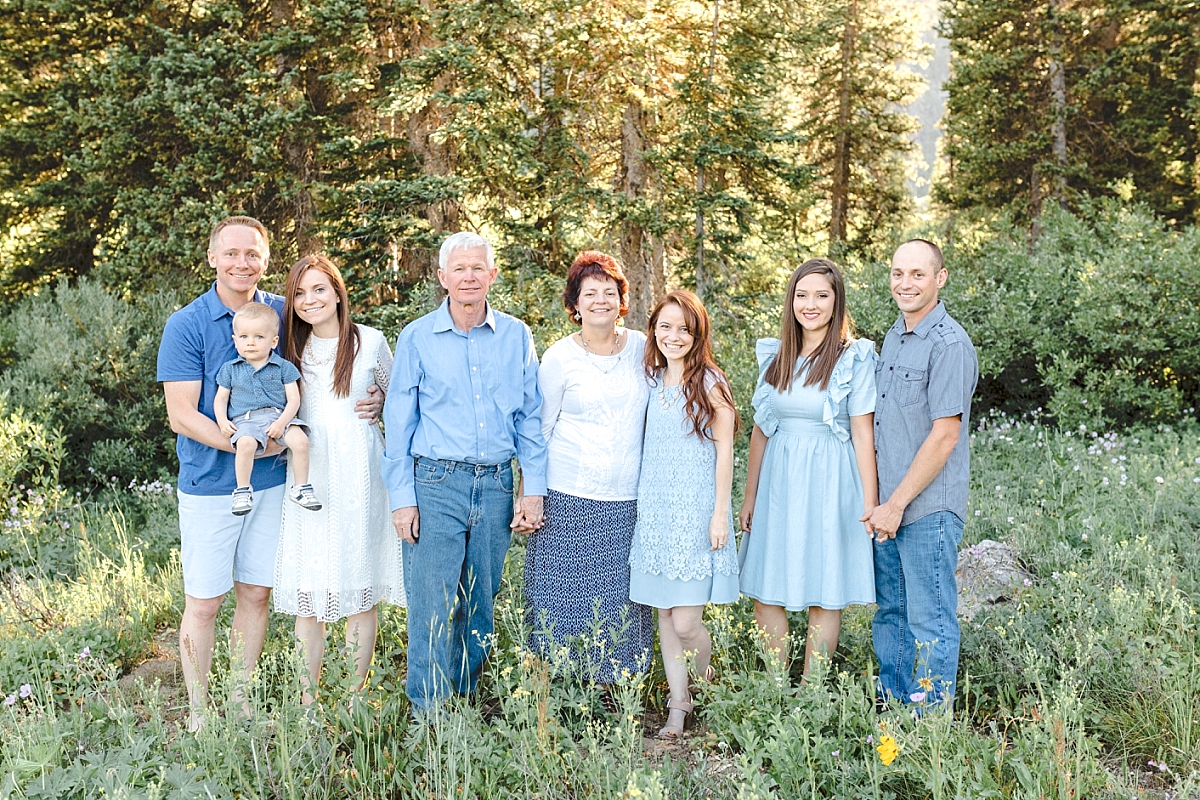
[
  {"x": 1158, "y": 479},
  {"x": 887, "y": 750},
  {"x": 1028, "y": 582},
  {"x": 1010, "y": 520},
  {"x": 1054, "y": 575},
  {"x": 870, "y": 738},
  {"x": 836, "y": 753},
  {"x": 917, "y": 697},
  {"x": 11, "y": 700},
  {"x": 926, "y": 683},
  {"x": 1085, "y": 538},
  {"x": 26, "y": 690},
  {"x": 86, "y": 652},
  {"x": 979, "y": 513}
]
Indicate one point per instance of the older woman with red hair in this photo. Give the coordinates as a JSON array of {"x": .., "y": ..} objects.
[{"x": 593, "y": 414}]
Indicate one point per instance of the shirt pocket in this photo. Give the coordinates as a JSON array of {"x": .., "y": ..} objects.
[{"x": 909, "y": 385}]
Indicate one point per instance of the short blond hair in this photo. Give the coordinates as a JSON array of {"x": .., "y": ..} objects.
[
  {"x": 238, "y": 221},
  {"x": 256, "y": 312}
]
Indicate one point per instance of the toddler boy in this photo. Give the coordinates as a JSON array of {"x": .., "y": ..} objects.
[{"x": 260, "y": 390}]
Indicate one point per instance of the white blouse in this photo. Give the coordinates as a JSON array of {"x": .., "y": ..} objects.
[{"x": 593, "y": 417}]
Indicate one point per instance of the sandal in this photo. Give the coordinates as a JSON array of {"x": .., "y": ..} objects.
[{"x": 670, "y": 731}]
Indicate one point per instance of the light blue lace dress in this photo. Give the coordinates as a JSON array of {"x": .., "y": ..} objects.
[
  {"x": 670, "y": 561},
  {"x": 806, "y": 546}
]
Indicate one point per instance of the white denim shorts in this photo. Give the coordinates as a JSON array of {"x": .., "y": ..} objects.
[{"x": 218, "y": 548}]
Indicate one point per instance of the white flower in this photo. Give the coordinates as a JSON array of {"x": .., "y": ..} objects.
[{"x": 1158, "y": 479}]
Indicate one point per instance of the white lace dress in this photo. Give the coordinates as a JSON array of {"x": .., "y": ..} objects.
[{"x": 345, "y": 558}]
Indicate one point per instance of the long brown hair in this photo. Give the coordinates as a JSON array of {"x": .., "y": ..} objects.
[
  {"x": 296, "y": 331},
  {"x": 697, "y": 364},
  {"x": 821, "y": 362}
]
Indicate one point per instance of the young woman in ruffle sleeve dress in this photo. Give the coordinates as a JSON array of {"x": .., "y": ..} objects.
[{"x": 811, "y": 472}]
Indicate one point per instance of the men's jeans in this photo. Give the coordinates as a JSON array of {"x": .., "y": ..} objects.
[
  {"x": 452, "y": 575},
  {"x": 916, "y": 626}
]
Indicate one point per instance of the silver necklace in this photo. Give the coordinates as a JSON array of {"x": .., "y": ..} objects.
[
  {"x": 662, "y": 393},
  {"x": 310, "y": 356},
  {"x": 611, "y": 353}
]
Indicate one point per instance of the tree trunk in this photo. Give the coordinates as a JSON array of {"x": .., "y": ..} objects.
[
  {"x": 641, "y": 251},
  {"x": 701, "y": 274},
  {"x": 1058, "y": 105},
  {"x": 297, "y": 148},
  {"x": 839, "y": 195},
  {"x": 435, "y": 156}
]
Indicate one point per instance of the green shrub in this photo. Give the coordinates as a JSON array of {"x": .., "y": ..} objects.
[
  {"x": 83, "y": 362},
  {"x": 1098, "y": 322}
]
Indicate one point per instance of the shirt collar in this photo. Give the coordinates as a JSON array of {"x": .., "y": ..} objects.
[
  {"x": 217, "y": 309},
  {"x": 274, "y": 358},
  {"x": 442, "y": 321},
  {"x": 924, "y": 326}
]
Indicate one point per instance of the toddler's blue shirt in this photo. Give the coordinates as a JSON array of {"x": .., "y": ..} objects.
[{"x": 251, "y": 388}]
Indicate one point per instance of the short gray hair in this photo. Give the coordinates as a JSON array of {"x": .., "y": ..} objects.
[{"x": 465, "y": 240}]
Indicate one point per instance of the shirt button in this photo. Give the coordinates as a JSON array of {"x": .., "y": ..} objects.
[
  {"x": 476, "y": 397},
  {"x": 481, "y": 424},
  {"x": 474, "y": 368},
  {"x": 890, "y": 369},
  {"x": 481, "y": 452},
  {"x": 882, "y": 396}
]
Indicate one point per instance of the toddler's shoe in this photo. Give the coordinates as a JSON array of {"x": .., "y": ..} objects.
[
  {"x": 304, "y": 496},
  {"x": 243, "y": 501}
]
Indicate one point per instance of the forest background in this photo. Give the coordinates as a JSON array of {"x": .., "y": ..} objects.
[{"x": 710, "y": 145}]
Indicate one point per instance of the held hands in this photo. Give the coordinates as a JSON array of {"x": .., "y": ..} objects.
[
  {"x": 528, "y": 513},
  {"x": 407, "y": 522},
  {"x": 370, "y": 406},
  {"x": 883, "y": 521},
  {"x": 718, "y": 532},
  {"x": 228, "y": 428}
]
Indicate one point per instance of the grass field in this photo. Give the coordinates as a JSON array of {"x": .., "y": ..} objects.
[{"x": 1086, "y": 684}]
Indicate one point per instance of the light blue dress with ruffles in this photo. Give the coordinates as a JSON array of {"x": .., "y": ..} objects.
[
  {"x": 806, "y": 546},
  {"x": 670, "y": 560}
]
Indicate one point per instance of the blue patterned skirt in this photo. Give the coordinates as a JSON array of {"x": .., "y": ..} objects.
[{"x": 577, "y": 589}]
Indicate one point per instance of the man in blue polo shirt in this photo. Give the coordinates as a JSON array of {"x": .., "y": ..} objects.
[
  {"x": 925, "y": 376},
  {"x": 221, "y": 551}
]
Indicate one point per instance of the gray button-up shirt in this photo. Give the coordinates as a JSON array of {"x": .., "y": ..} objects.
[{"x": 924, "y": 374}]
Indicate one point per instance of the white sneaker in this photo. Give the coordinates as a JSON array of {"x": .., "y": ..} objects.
[
  {"x": 243, "y": 501},
  {"x": 304, "y": 496}
]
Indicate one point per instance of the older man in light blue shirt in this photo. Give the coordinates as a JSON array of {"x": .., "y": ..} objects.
[{"x": 463, "y": 401}]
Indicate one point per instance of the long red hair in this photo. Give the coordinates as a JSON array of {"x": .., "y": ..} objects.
[
  {"x": 697, "y": 364},
  {"x": 296, "y": 331}
]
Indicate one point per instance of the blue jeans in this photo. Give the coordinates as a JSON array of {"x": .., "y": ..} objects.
[
  {"x": 452, "y": 575},
  {"x": 916, "y": 626}
]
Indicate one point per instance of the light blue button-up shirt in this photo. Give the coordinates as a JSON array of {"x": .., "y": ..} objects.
[{"x": 459, "y": 396}]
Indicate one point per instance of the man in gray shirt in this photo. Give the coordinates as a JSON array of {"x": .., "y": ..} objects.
[{"x": 925, "y": 377}]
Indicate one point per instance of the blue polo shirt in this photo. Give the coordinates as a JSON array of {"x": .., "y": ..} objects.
[
  {"x": 251, "y": 388},
  {"x": 197, "y": 340}
]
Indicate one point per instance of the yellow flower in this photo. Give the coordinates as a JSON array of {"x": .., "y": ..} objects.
[
  {"x": 926, "y": 683},
  {"x": 887, "y": 749}
]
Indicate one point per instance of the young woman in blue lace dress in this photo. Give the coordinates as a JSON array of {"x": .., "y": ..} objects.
[
  {"x": 683, "y": 554},
  {"x": 811, "y": 470}
]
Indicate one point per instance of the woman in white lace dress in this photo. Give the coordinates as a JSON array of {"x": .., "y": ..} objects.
[{"x": 341, "y": 561}]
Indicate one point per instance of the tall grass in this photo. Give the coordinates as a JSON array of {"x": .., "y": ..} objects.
[{"x": 1085, "y": 684}]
